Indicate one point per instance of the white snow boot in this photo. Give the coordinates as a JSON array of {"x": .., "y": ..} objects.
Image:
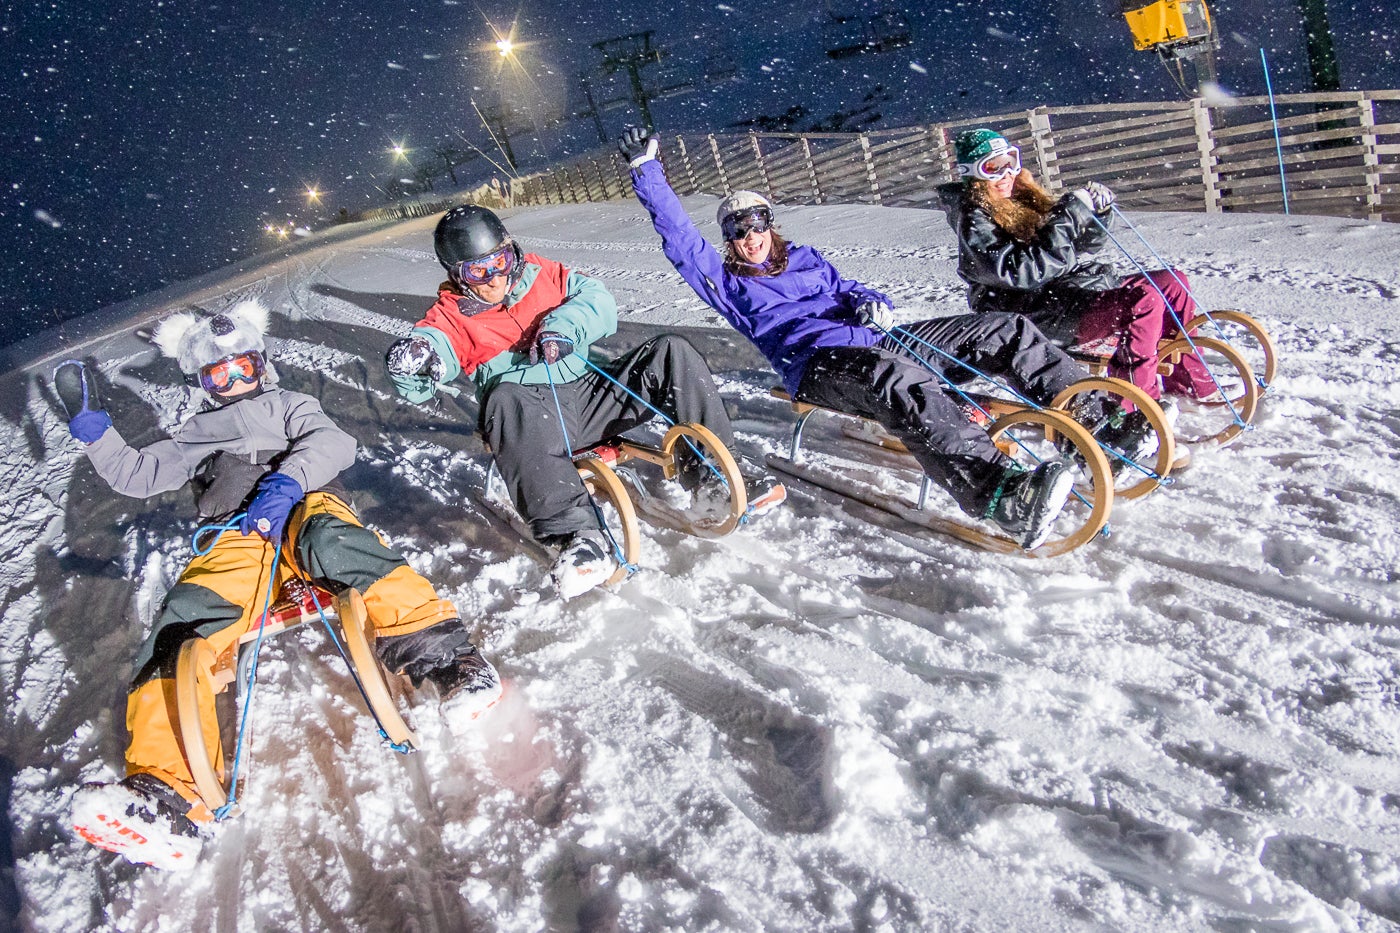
[
  {"x": 585, "y": 561},
  {"x": 140, "y": 818}
]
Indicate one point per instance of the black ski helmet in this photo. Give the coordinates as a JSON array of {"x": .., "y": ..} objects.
[{"x": 468, "y": 232}]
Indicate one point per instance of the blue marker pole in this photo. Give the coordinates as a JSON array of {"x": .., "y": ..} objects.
[{"x": 1278, "y": 144}]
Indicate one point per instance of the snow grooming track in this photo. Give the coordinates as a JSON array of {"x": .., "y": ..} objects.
[{"x": 827, "y": 721}]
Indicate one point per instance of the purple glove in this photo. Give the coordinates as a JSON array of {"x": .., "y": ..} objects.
[
  {"x": 77, "y": 390},
  {"x": 551, "y": 348},
  {"x": 267, "y": 514}
]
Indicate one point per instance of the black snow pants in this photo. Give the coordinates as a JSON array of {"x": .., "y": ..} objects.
[
  {"x": 521, "y": 425},
  {"x": 887, "y": 385}
]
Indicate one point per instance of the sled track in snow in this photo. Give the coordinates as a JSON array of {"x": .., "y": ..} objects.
[{"x": 1308, "y": 280}]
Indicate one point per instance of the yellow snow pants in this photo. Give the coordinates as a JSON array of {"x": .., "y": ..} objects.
[{"x": 221, "y": 595}]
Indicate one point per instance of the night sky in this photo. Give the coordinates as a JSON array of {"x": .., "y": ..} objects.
[{"x": 147, "y": 141}]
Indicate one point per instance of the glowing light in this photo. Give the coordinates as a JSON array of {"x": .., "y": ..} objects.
[
  {"x": 399, "y": 151},
  {"x": 312, "y": 194},
  {"x": 505, "y": 46}
]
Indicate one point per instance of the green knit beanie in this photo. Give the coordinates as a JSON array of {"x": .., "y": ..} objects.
[{"x": 971, "y": 146}]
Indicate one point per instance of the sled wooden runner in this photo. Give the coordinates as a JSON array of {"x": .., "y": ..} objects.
[
  {"x": 197, "y": 664},
  {"x": 1096, "y": 499}
]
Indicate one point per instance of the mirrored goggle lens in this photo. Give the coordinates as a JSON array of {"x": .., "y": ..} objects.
[
  {"x": 738, "y": 226},
  {"x": 222, "y": 374},
  {"x": 480, "y": 271},
  {"x": 1000, "y": 165}
]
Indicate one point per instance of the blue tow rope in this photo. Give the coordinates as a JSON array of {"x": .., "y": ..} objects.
[
  {"x": 223, "y": 812},
  {"x": 660, "y": 414},
  {"x": 957, "y": 390},
  {"x": 1195, "y": 351},
  {"x": 618, "y": 554},
  {"x": 1166, "y": 267},
  {"x": 403, "y": 748},
  {"x": 227, "y": 809}
]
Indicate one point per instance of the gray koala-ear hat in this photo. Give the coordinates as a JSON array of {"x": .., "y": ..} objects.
[{"x": 195, "y": 340}]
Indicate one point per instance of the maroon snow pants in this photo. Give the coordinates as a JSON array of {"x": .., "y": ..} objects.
[{"x": 1135, "y": 314}]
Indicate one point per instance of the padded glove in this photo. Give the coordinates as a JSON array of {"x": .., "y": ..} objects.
[
  {"x": 414, "y": 356},
  {"x": 638, "y": 146},
  {"x": 267, "y": 514},
  {"x": 550, "y": 348},
  {"x": 875, "y": 315},
  {"x": 77, "y": 389},
  {"x": 1098, "y": 198}
]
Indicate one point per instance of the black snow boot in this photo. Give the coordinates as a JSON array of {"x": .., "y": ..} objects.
[{"x": 1026, "y": 504}]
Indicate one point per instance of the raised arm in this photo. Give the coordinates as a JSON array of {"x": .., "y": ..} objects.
[{"x": 699, "y": 263}]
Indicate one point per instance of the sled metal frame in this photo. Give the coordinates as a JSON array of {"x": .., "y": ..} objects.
[
  {"x": 197, "y": 663},
  {"x": 1007, "y": 414}
]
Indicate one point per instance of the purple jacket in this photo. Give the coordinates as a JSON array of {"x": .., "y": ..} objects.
[{"x": 788, "y": 316}]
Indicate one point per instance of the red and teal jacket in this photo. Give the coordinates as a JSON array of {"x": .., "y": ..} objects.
[{"x": 493, "y": 345}]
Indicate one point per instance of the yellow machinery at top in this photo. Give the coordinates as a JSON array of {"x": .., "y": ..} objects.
[{"x": 1167, "y": 24}]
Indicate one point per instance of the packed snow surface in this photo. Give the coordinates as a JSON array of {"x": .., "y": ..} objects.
[{"x": 830, "y": 720}]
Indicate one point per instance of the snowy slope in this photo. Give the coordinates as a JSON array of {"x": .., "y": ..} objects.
[{"x": 829, "y": 721}]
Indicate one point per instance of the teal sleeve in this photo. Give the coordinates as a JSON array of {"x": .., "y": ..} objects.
[
  {"x": 419, "y": 389},
  {"x": 588, "y": 314}
]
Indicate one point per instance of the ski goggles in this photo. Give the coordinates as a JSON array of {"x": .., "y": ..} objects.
[
  {"x": 995, "y": 165},
  {"x": 739, "y": 225},
  {"x": 222, "y": 375},
  {"x": 483, "y": 270}
]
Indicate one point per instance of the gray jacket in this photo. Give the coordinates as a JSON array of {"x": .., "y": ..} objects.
[{"x": 226, "y": 449}]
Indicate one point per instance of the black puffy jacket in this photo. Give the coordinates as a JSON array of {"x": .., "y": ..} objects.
[{"x": 1050, "y": 280}]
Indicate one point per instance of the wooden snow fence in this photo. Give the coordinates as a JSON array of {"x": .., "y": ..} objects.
[{"x": 1341, "y": 156}]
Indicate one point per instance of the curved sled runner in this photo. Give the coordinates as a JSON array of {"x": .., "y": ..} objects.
[
  {"x": 199, "y": 665},
  {"x": 1242, "y": 358},
  {"x": 1027, "y": 435},
  {"x": 599, "y": 466}
]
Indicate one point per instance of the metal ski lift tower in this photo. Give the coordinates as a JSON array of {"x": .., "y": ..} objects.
[
  {"x": 632, "y": 53},
  {"x": 1181, "y": 32}
]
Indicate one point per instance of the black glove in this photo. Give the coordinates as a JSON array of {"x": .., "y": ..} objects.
[
  {"x": 551, "y": 348},
  {"x": 77, "y": 389},
  {"x": 638, "y": 146},
  {"x": 414, "y": 356},
  {"x": 1098, "y": 198}
]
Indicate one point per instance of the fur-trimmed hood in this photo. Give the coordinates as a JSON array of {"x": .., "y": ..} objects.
[{"x": 194, "y": 340}]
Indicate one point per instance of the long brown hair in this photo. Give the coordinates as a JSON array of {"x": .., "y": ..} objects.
[
  {"x": 1021, "y": 214},
  {"x": 777, "y": 258}
]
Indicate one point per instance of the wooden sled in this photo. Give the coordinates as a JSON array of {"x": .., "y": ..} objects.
[
  {"x": 598, "y": 466},
  {"x": 1217, "y": 422},
  {"x": 1133, "y": 479},
  {"x": 1014, "y": 430},
  {"x": 198, "y": 664}
]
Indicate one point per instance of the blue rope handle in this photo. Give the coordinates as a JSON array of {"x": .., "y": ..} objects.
[
  {"x": 957, "y": 390},
  {"x": 1006, "y": 388},
  {"x": 1172, "y": 311},
  {"x": 618, "y": 555},
  {"x": 1166, "y": 267},
  {"x": 227, "y": 809}
]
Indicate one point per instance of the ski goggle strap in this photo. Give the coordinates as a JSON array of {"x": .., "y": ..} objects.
[
  {"x": 483, "y": 270},
  {"x": 222, "y": 375},
  {"x": 1002, "y": 161},
  {"x": 741, "y": 223}
]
